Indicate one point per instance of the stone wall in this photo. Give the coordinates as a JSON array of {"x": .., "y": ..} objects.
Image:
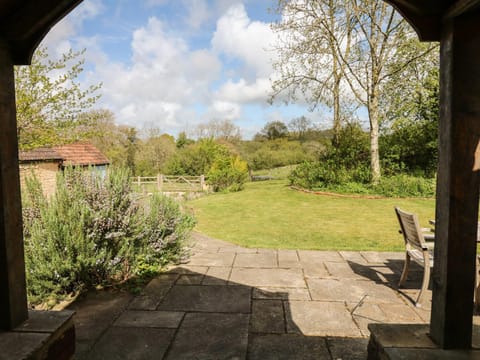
[{"x": 46, "y": 172}]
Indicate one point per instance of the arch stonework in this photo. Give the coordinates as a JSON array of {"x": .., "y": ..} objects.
[{"x": 24, "y": 23}]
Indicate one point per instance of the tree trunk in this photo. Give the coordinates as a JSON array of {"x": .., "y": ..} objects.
[
  {"x": 336, "y": 104},
  {"x": 374, "y": 149}
]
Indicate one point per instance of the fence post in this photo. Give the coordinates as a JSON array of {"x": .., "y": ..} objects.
[
  {"x": 202, "y": 182},
  {"x": 160, "y": 182},
  {"x": 138, "y": 181}
]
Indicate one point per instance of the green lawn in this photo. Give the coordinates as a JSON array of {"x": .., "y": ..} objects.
[{"x": 271, "y": 215}]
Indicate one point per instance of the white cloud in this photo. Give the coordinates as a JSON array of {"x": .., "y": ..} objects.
[
  {"x": 224, "y": 110},
  {"x": 239, "y": 37},
  {"x": 164, "y": 79},
  {"x": 198, "y": 12},
  {"x": 167, "y": 80},
  {"x": 243, "y": 92}
]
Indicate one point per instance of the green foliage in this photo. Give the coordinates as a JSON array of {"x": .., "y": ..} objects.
[
  {"x": 50, "y": 100},
  {"x": 345, "y": 162},
  {"x": 328, "y": 174},
  {"x": 320, "y": 176},
  {"x": 408, "y": 141},
  {"x": 92, "y": 232},
  {"x": 228, "y": 173},
  {"x": 276, "y": 153},
  {"x": 224, "y": 169},
  {"x": 405, "y": 186},
  {"x": 152, "y": 154},
  {"x": 166, "y": 229},
  {"x": 273, "y": 130},
  {"x": 195, "y": 159}
]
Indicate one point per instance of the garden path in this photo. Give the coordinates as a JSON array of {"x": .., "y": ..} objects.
[{"x": 230, "y": 302}]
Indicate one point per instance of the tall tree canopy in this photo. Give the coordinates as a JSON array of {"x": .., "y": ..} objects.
[
  {"x": 334, "y": 49},
  {"x": 50, "y": 99}
]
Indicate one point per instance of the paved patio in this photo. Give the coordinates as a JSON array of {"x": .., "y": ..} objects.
[{"x": 229, "y": 302}]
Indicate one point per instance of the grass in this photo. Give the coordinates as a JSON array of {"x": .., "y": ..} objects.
[
  {"x": 278, "y": 173},
  {"x": 271, "y": 215}
]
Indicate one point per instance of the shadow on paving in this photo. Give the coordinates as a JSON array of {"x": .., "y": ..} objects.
[
  {"x": 391, "y": 279},
  {"x": 185, "y": 314}
]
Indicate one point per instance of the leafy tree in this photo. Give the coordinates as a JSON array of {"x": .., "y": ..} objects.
[
  {"x": 50, "y": 100},
  {"x": 119, "y": 143},
  {"x": 195, "y": 159},
  {"x": 356, "y": 41},
  {"x": 274, "y": 130},
  {"x": 183, "y": 140},
  {"x": 153, "y": 152},
  {"x": 410, "y": 132}
]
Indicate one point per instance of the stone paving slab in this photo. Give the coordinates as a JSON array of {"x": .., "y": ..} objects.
[
  {"x": 150, "y": 319},
  {"x": 208, "y": 299},
  {"x": 267, "y": 317},
  {"x": 287, "y": 347},
  {"x": 353, "y": 257},
  {"x": 212, "y": 259},
  {"x": 190, "y": 279},
  {"x": 124, "y": 344},
  {"x": 154, "y": 292},
  {"x": 268, "y": 277},
  {"x": 263, "y": 260},
  {"x": 367, "y": 313},
  {"x": 351, "y": 291},
  {"x": 348, "y": 348},
  {"x": 279, "y": 293},
  {"x": 288, "y": 259},
  {"x": 96, "y": 312},
  {"x": 211, "y": 336},
  {"x": 217, "y": 275},
  {"x": 320, "y": 318},
  {"x": 317, "y": 257},
  {"x": 314, "y": 270}
]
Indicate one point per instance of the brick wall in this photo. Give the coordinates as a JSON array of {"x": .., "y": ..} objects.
[{"x": 46, "y": 172}]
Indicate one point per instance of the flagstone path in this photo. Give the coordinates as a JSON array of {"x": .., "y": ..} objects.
[{"x": 230, "y": 302}]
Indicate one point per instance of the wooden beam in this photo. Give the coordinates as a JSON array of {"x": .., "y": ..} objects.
[
  {"x": 460, "y": 7},
  {"x": 458, "y": 183},
  {"x": 28, "y": 25},
  {"x": 13, "y": 300}
]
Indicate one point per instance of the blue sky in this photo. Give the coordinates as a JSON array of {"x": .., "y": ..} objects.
[{"x": 173, "y": 64}]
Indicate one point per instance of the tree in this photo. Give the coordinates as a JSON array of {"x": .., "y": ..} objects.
[
  {"x": 362, "y": 36},
  {"x": 410, "y": 131},
  {"x": 118, "y": 142},
  {"x": 50, "y": 100},
  {"x": 183, "y": 140},
  {"x": 274, "y": 130},
  {"x": 310, "y": 62},
  {"x": 153, "y": 152},
  {"x": 219, "y": 129},
  {"x": 299, "y": 127}
]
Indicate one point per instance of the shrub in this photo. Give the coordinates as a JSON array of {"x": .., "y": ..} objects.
[
  {"x": 92, "y": 232},
  {"x": 405, "y": 186},
  {"x": 228, "y": 173}
]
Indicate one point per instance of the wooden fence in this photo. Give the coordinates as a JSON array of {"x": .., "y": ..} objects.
[{"x": 170, "y": 183}]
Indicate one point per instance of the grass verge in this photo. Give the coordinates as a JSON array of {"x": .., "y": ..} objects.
[{"x": 271, "y": 215}]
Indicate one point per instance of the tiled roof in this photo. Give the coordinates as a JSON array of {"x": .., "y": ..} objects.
[
  {"x": 40, "y": 154},
  {"x": 81, "y": 154},
  {"x": 78, "y": 154}
]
